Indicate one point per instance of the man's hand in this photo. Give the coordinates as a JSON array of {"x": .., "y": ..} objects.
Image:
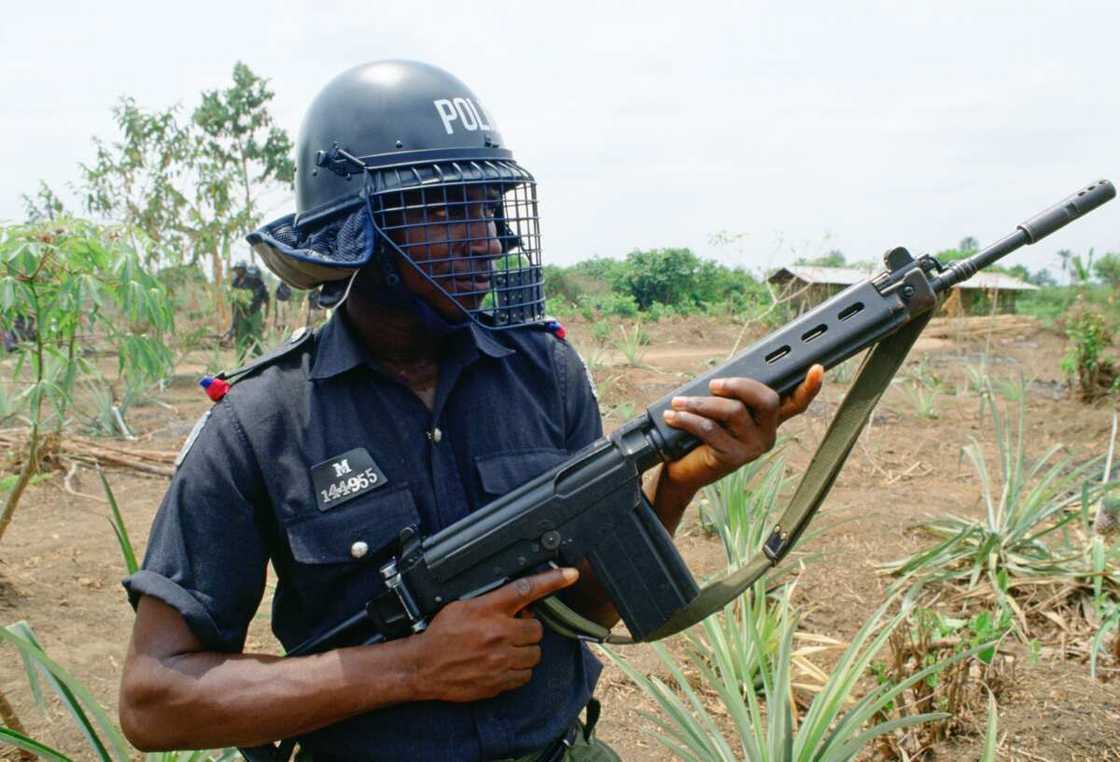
[
  {"x": 488, "y": 645},
  {"x": 736, "y": 425}
]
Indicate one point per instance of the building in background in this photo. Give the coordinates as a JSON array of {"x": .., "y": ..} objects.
[{"x": 983, "y": 293}]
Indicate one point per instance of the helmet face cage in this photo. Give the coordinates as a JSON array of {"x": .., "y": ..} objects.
[{"x": 470, "y": 229}]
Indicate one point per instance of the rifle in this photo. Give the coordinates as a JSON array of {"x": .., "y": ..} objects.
[{"x": 592, "y": 506}]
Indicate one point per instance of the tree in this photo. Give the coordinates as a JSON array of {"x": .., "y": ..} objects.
[
  {"x": 1080, "y": 270},
  {"x": 191, "y": 186},
  {"x": 44, "y": 205},
  {"x": 1107, "y": 268},
  {"x": 142, "y": 182},
  {"x": 1043, "y": 278},
  {"x": 242, "y": 150},
  {"x": 668, "y": 276},
  {"x": 1065, "y": 255},
  {"x": 61, "y": 277},
  {"x": 968, "y": 245},
  {"x": 834, "y": 258}
]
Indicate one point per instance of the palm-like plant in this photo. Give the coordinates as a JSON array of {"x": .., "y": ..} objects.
[
  {"x": 739, "y": 508},
  {"x": 766, "y": 728},
  {"x": 104, "y": 740},
  {"x": 1025, "y": 533}
]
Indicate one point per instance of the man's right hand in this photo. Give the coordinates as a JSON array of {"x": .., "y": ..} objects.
[{"x": 479, "y": 648}]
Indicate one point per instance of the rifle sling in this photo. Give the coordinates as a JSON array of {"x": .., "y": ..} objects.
[{"x": 875, "y": 374}]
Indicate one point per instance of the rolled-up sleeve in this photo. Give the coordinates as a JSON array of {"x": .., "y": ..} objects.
[{"x": 207, "y": 552}]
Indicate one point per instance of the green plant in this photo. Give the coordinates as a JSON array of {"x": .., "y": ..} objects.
[
  {"x": 929, "y": 638},
  {"x": 119, "y": 528},
  {"x": 104, "y": 741},
  {"x": 623, "y": 411},
  {"x": 1025, "y": 509},
  {"x": 921, "y": 373},
  {"x": 9, "y": 408},
  {"x": 1109, "y": 612},
  {"x": 991, "y": 734},
  {"x": 923, "y": 399},
  {"x": 601, "y": 332},
  {"x": 61, "y": 277},
  {"x": 739, "y": 507},
  {"x": 1085, "y": 361},
  {"x": 631, "y": 343},
  {"x": 833, "y": 728},
  {"x": 1014, "y": 389},
  {"x": 979, "y": 381}
]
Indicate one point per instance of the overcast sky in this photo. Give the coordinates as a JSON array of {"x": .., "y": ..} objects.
[{"x": 832, "y": 125}]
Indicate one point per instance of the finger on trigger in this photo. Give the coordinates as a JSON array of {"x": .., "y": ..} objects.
[{"x": 520, "y": 593}]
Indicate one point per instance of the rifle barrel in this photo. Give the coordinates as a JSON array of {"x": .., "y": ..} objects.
[{"x": 1032, "y": 231}]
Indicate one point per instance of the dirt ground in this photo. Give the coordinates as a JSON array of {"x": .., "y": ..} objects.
[{"x": 60, "y": 566}]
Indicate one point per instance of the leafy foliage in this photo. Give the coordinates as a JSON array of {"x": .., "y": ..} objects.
[
  {"x": 1025, "y": 531},
  {"x": 186, "y": 190},
  {"x": 1085, "y": 361},
  {"x": 658, "y": 283},
  {"x": 929, "y": 638},
  {"x": 833, "y": 728},
  {"x": 62, "y": 282},
  {"x": 104, "y": 741},
  {"x": 1107, "y": 268}
]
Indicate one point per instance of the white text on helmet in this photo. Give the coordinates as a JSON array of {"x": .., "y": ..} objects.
[{"x": 462, "y": 110}]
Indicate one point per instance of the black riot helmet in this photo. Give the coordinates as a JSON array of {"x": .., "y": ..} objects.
[{"x": 399, "y": 157}]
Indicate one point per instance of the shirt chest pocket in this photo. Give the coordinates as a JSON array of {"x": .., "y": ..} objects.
[
  {"x": 502, "y": 472},
  {"x": 337, "y": 553}
]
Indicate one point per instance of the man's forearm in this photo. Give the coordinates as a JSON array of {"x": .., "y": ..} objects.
[{"x": 206, "y": 699}]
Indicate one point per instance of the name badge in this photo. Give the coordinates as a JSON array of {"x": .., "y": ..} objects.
[{"x": 345, "y": 477}]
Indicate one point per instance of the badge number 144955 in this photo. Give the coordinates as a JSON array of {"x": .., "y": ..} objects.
[
  {"x": 349, "y": 485},
  {"x": 345, "y": 476}
]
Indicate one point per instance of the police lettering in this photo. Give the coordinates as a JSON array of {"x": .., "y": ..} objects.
[{"x": 466, "y": 112}]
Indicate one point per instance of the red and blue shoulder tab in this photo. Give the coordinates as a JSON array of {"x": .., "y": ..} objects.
[
  {"x": 553, "y": 326},
  {"x": 216, "y": 387}
]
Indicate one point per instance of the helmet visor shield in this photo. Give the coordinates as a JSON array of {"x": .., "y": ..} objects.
[{"x": 467, "y": 238}]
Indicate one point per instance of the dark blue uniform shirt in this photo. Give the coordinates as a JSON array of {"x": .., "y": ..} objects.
[{"x": 508, "y": 406}]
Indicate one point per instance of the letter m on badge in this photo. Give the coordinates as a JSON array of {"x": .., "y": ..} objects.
[{"x": 341, "y": 467}]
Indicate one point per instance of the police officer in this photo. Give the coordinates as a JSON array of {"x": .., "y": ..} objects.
[
  {"x": 249, "y": 305},
  {"x": 434, "y": 388}
]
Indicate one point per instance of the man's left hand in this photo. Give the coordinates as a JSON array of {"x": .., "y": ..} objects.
[{"x": 735, "y": 425}]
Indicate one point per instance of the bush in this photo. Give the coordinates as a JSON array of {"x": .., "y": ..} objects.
[
  {"x": 1085, "y": 361},
  {"x": 617, "y": 305}
]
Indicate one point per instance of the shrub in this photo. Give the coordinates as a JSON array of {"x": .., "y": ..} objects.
[
  {"x": 1023, "y": 536},
  {"x": 1085, "y": 361},
  {"x": 833, "y": 728}
]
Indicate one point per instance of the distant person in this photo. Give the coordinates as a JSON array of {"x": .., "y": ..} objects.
[
  {"x": 248, "y": 310},
  {"x": 23, "y": 329},
  {"x": 283, "y": 295}
]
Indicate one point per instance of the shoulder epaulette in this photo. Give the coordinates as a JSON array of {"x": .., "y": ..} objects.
[{"x": 217, "y": 386}]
